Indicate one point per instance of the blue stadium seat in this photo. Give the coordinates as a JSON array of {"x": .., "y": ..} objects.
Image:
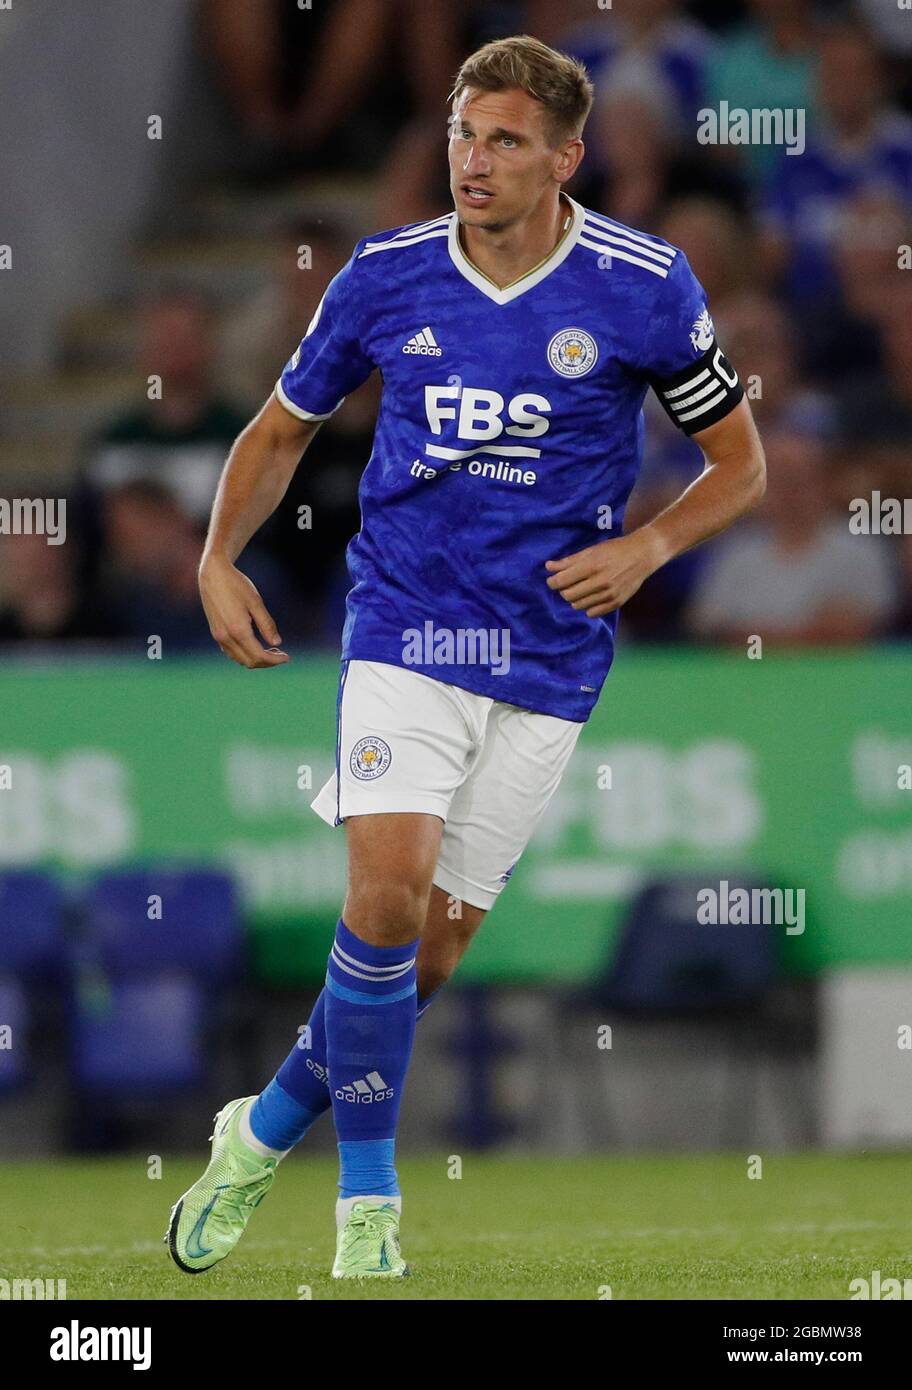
[
  {"x": 666, "y": 961},
  {"x": 31, "y": 923},
  {"x": 146, "y": 985},
  {"x": 199, "y": 932},
  {"x": 14, "y": 1071},
  {"x": 137, "y": 1037},
  {"x": 31, "y": 952}
]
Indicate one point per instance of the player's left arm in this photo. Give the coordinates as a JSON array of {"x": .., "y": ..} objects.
[{"x": 602, "y": 577}]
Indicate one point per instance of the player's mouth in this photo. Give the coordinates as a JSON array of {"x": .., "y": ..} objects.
[{"x": 475, "y": 194}]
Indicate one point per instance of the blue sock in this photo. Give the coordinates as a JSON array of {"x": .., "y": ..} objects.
[
  {"x": 277, "y": 1119},
  {"x": 370, "y": 1026},
  {"x": 298, "y": 1094},
  {"x": 303, "y": 1073}
]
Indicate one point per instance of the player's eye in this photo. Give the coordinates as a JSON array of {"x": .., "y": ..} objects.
[{"x": 509, "y": 142}]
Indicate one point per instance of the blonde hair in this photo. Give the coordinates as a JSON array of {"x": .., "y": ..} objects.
[{"x": 555, "y": 79}]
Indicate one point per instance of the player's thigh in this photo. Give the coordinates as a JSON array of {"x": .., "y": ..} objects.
[
  {"x": 495, "y": 811},
  {"x": 391, "y": 861},
  {"x": 404, "y": 743}
]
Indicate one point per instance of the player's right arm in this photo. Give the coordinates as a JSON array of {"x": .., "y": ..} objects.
[
  {"x": 330, "y": 362},
  {"x": 253, "y": 482}
]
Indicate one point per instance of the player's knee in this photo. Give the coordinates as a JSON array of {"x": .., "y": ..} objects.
[{"x": 387, "y": 913}]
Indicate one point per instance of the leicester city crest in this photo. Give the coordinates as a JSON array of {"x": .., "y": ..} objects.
[
  {"x": 370, "y": 758},
  {"x": 572, "y": 352}
]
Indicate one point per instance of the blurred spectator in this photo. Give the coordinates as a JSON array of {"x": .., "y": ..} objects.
[
  {"x": 890, "y": 23},
  {"x": 339, "y": 84},
  {"x": 861, "y": 144},
  {"x": 875, "y": 409},
  {"x": 151, "y": 557},
  {"x": 258, "y": 338},
  {"x": 841, "y": 337},
  {"x": 42, "y": 598},
  {"x": 640, "y": 165},
  {"x": 274, "y": 58},
  {"x": 648, "y": 47},
  {"x": 796, "y": 576},
  {"x": 717, "y": 242},
  {"x": 767, "y": 63},
  {"x": 181, "y": 439},
  {"x": 327, "y": 484},
  {"x": 759, "y": 338},
  {"x": 148, "y": 576}
]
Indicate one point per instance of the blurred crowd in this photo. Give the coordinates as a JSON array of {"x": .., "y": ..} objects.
[{"x": 801, "y": 256}]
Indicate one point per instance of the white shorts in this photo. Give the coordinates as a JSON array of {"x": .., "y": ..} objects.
[{"x": 406, "y": 742}]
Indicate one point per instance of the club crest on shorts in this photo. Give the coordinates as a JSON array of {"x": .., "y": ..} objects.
[
  {"x": 572, "y": 352},
  {"x": 370, "y": 758}
]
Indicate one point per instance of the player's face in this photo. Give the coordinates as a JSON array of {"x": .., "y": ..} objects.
[{"x": 501, "y": 162}]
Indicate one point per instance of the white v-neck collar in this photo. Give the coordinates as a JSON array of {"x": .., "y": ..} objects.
[{"x": 526, "y": 282}]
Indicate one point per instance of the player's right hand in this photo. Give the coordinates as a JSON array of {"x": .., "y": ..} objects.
[{"x": 236, "y": 613}]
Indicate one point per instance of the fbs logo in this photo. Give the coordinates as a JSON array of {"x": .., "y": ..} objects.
[
  {"x": 424, "y": 344},
  {"x": 365, "y": 1091}
]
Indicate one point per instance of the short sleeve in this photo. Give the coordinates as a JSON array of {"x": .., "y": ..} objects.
[
  {"x": 695, "y": 383},
  {"x": 331, "y": 360}
]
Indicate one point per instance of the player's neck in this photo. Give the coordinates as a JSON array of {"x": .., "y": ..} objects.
[{"x": 507, "y": 255}]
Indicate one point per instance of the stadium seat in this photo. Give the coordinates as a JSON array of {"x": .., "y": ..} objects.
[
  {"x": 14, "y": 1070},
  {"x": 139, "y": 1037},
  {"x": 31, "y": 923},
  {"x": 666, "y": 961},
  {"x": 158, "y": 950},
  {"x": 706, "y": 1001},
  {"x": 198, "y": 933},
  {"x": 31, "y": 951}
]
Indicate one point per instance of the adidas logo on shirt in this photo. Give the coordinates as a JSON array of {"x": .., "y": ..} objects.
[
  {"x": 424, "y": 344},
  {"x": 364, "y": 1092}
]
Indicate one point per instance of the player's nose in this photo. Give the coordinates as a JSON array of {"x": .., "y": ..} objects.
[{"x": 476, "y": 160}]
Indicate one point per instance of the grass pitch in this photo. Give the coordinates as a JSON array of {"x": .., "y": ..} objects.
[{"x": 691, "y": 1227}]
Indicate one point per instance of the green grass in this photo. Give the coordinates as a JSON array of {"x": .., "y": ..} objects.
[{"x": 692, "y": 1227}]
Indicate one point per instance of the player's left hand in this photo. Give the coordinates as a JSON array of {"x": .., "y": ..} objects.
[{"x": 602, "y": 577}]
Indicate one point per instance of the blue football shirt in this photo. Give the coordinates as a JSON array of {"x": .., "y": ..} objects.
[{"x": 510, "y": 432}]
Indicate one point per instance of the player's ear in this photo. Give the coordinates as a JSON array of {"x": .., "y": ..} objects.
[{"x": 569, "y": 159}]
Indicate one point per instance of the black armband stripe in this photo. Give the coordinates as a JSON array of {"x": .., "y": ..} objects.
[{"x": 701, "y": 394}]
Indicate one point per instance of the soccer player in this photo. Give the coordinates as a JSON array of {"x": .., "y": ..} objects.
[{"x": 516, "y": 338}]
